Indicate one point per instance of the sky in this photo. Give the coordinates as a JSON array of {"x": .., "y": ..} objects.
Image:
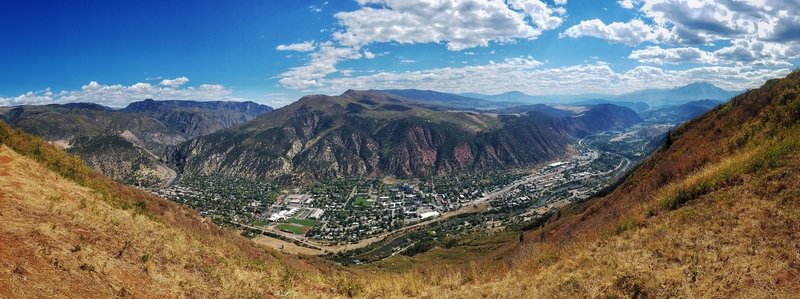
[{"x": 275, "y": 51}]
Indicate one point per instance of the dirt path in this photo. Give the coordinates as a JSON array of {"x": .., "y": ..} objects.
[
  {"x": 3, "y": 169},
  {"x": 286, "y": 247}
]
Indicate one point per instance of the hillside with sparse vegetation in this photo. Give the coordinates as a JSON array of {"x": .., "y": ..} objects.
[
  {"x": 67, "y": 232},
  {"x": 715, "y": 212}
]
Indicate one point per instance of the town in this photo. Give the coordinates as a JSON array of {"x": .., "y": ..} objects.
[{"x": 349, "y": 210}]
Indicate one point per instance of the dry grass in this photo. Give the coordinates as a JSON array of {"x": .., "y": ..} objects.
[
  {"x": 716, "y": 214},
  {"x": 63, "y": 240},
  {"x": 733, "y": 240}
]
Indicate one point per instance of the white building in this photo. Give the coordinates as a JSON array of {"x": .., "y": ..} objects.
[{"x": 428, "y": 215}]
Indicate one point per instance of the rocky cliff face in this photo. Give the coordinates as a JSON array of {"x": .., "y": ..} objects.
[
  {"x": 128, "y": 145},
  {"x": 377, "y": 134},
  {"x": 193, "y": 119}
]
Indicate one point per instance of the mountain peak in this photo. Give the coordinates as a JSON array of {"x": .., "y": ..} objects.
[{"x": 699, "y": 86}]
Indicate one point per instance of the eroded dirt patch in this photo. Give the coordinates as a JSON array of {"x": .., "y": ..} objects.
[{"x": 3, "y": 169}]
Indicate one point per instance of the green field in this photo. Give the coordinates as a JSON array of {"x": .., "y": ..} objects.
[
  {"x": 260, "y": 223},
  {"x": 362, "y": 201},
  {"x": 297, "y": 230},
  {"x": 304, "y": 222}
]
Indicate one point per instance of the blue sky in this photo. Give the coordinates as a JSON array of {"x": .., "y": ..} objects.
[{"x": 276, "y": 51}]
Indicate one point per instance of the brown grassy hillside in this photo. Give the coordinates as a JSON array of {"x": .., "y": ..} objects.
[
  {"x": 714, "y": 213},
  {"x": 67, "y": 232}
]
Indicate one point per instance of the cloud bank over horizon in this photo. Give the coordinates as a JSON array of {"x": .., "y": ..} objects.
[{"x": 539, "y": 47}]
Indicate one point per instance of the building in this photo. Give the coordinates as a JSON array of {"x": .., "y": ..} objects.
[
  {"x": 316, "y": 214},
  {"x": 427, "y": 215}
]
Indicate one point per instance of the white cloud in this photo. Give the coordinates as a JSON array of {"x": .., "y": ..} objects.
[
  {"x": 368, "y": 54},
  {"x": 120, "y": 95},
  {"x": 317, "y": 8},
  {"x": 632, "y": 33},
  {"x": 629, "y": 4},
  {"x": 527, "y": 74},
  {"x": 759, "y": 53},
  {"x": 306, "y": 46},
  {"x": 174, "y": 82},
  {"x": 459, "y": 24},
  {"x": 760, "y": 32},
  {"x": 322, "y": 63},
  {"x": 739, "y": 53},
  {"x": 692, "y": 22},
  {"x": 658, "y": 55}
]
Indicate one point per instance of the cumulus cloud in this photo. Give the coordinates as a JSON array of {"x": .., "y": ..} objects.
[
  {"x": 629, "y": 4},
  {"x": 633, "y": 32},
  {"x": 740, "y": 52},
  {"x": 322, "y": 63},
  {"x": 701, "y": 22},
  {"x": 174, "y": 82},
  {"x": 761, "y": 32},
  {"x": 528, "y": 75},
  {"x": 658, "y": 55},
  {"x": 457, "y": 24},
  {"x": 120, "y": 95},
  {"x": 368, "y": 54},
  {"x": 306, "y": 46},
  {"x": 755, "y": 52}
]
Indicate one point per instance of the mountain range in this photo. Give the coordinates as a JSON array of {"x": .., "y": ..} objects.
[
  {"x": 128, "y": 144},
  {"x": 449, "y": 99},
  {"x": 650, "y": 97},
  {"x": 373, "y": 133},
  {"x": 712, "y": 213},
  {"x": 402, "y": 133},
  {"x": 680, "y": 113}
]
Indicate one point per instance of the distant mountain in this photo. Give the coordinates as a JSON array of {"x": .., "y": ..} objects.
[
  {"x": 123, "y": 146},
  {"x": 650, "y": 97},
  {"x": 681, "y": 113},
  {"x": 511, "y": 96},
  {"x": 193, "y": 118},
  {"x": 541, "y": 108},
  {"x": 371, "y": 133},
  {"x": 520, "y": 97},
  {"x": 602, "y": 117},
  {"x": 128, "y": 144},
  {"x": 446, "y": 99},
  {"x": 677, "y": 96},
  {"x": 717, "y": 185},
  {"x": 635, "y": 106}
]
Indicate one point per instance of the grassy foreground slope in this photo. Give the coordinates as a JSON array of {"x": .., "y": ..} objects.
[
  {"x": 68, "y": 232},
  {"x": 713, "y": 213}
]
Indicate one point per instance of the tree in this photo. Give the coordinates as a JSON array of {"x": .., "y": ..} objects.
[{"x": 668, "y": 140}]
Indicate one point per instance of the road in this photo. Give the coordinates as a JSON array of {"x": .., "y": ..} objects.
[{"x": 474, "y": 206}]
